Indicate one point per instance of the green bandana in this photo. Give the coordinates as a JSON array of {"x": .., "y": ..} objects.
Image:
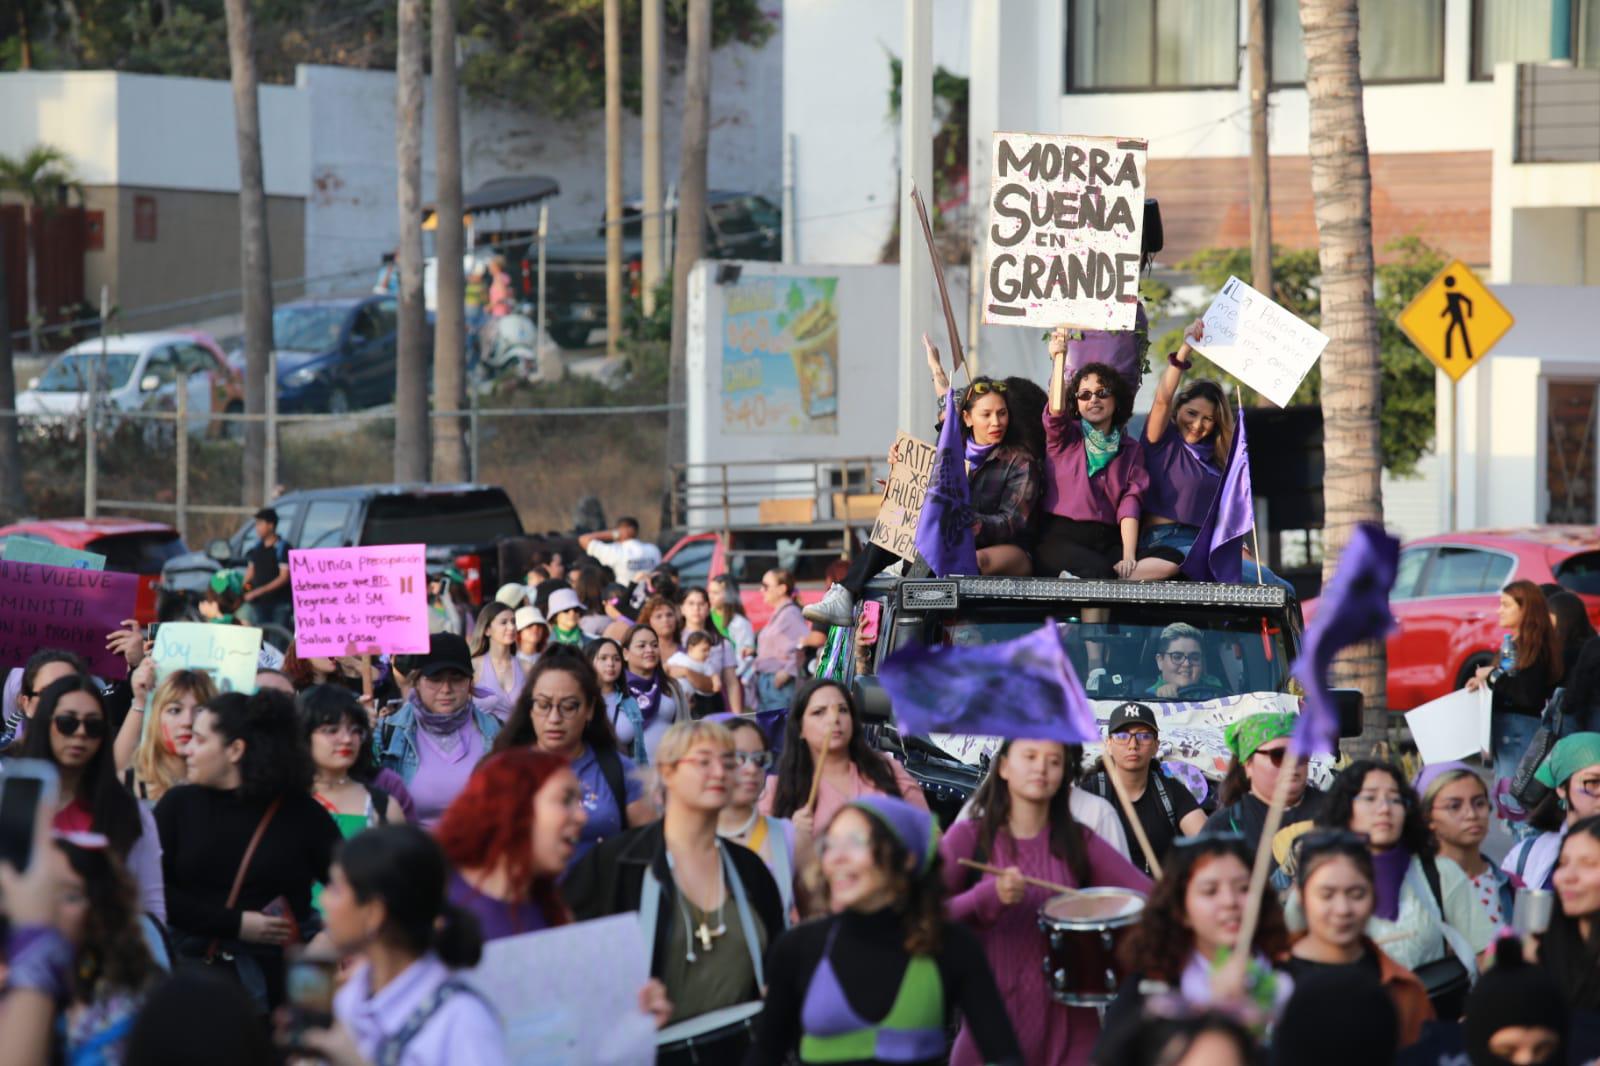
[
  {"x": 1570, "y": 755},
  {"x": 1246, "y": 735},
  {"x": 1099, "y": 448}
]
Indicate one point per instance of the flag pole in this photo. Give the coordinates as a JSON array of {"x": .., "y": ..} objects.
[
  {"x": 1255, "y": 536},
  {"x": 944, "y": 293},
  {"x": 1263, "y": 864}
]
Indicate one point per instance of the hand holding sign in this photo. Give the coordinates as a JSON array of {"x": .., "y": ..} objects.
[{"x": 1258, "y": 342}]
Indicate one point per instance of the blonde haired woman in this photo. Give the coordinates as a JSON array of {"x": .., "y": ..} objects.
[{"x": 152, "y": 759}]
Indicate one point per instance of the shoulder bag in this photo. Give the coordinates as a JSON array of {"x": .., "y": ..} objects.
[{"x": 1525, "y": 788}]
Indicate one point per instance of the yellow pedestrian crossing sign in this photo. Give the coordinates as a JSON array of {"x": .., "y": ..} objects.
[{"x": 1455, "y": 320}]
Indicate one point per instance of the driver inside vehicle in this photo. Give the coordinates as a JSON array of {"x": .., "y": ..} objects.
[{"x": 1181, "y": 663}]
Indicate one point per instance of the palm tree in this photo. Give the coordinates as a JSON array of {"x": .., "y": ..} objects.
[
  {"x": 42, "y": 177},
  {"x": 690, "y": 231},
  {"x": 254, "y": 255},
  {"x": 449, "y": 371},
  {"x": 411, "y": 358},
  {"x": 1341, "y": 184},
  {"x": 13, "y": 503}
]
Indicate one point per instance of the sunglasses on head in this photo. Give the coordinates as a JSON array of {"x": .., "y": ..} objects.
[
  {"x": 67, "y": 725},
  {"x": 983, "y": 388},
  {"x": 1085, "y": 395}
]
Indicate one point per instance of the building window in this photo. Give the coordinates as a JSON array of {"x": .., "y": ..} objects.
[
  {"x": 1139, "y": 45},
  {"x": 1569, "y": 474},
  {"x": 1521, "y": 31},
  {"x": 144, "y": 218},
  {"x": 1401, "y": 40}
]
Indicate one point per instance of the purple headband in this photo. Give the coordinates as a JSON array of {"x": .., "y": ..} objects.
[
  {"x": 1433, "y": 771},
  {"x": 913, "y": 827}
]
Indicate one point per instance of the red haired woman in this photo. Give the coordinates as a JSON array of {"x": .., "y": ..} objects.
[{"x": 509, "y": 835}]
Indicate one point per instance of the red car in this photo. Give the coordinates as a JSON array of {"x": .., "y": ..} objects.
[
  {"x": 700, "y": 557},
  {"x": 1447, "y": 596},
  {"x": 131, "y": 546}
]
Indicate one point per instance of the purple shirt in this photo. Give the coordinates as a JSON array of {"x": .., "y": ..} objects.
[
  {"x": 1181, "y": 486},
  {"x": 778, "y": 644},
  {"x": 605, "y": 819},
  {"x": 1110, "y": 496},
  {"x": 496, "y": 918},
  {"x": 488, "y": 694},
  {"x": 463, "y": 1029},
  {"x": 441, "y": 775}
]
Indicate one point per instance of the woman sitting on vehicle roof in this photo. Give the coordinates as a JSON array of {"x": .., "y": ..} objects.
[{"x": 1003, "y": 478}]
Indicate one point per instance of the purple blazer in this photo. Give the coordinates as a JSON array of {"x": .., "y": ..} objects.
[{"x": 1113, "y": 494}]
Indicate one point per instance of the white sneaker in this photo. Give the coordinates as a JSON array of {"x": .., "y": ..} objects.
[
  {"x": 1069, "y": 575},
  {"x": 836, "y": 608}
]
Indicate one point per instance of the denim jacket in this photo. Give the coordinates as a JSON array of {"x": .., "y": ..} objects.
[{"x": 395, "y": 742}]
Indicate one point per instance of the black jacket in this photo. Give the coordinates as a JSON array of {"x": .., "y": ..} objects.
[{"x": 609, "y": 880}]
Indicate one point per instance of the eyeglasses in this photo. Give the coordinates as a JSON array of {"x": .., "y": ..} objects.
[
  {"x": 1098, "y": 394},
  {"x": 843, "y": 844},
  {"x": 1276, "y": 756},
  {"x": 543, "y": 708},
  {"x": 1190, "y": 658},
  {"x": 1131, "y": 738},
  {"x": 1378, "y": 799},
  {"x": 1590, "y": 787},
  {"x": 983, "y": 388},
  {"x": 67, "y": 725},
  {"x": 762, "y": 759},
  {"x": 705, "y": 763}
]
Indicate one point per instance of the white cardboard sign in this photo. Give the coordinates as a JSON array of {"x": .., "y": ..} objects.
[
  {"x": 1450, "y": 727},
  {"x": 1260, "y": 343}
]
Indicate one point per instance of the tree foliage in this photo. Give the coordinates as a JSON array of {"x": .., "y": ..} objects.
[{"x": 1406, "y": 417}]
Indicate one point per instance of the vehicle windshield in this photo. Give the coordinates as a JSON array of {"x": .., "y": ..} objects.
[
  {"x": 445, "y": 518},
  {"x": 307, "y": 329},
  {"x": 1148, "y": 651},
  {"x": 138, "y": 553},
  {"x": 747, "y": 214},
  {"x": 70, "y": 373}
]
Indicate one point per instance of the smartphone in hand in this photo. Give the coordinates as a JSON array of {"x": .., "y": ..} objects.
[{"x": 24, "y": 785}]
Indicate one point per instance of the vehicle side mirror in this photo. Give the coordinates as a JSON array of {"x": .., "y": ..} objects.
[
  {"x": 872, "y": 701},
  {"x": 1348, "y": 702},
  {"x": 149, "y": 383},
  {"x": 219, "y": 550}
]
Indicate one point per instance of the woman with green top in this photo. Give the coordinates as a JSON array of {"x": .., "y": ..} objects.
[
  {"x": 565, "y": 612},
  {"x": 880, "y": 979},
  {"x": 337, "y": 732}
]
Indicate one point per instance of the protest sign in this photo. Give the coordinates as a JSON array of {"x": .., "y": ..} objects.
[
  {"x": 230, "y": 654},
  {"x": 570, "y": 995},
  {"x": 60, "y": 607},
  {"x": 1450, "y": 727},
  {"x": 1260, "y": 343},
  {"x": 1066, "y": 217},
  {"x": 22, "y": 550},
  {"x": 896, "y": 527},
  {"x": 370, "y": 599}
]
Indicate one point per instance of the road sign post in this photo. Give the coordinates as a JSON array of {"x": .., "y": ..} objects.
[{"x": 1455, "y": 320}]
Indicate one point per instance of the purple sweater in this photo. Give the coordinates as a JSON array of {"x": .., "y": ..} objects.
[
  {"x": 1110, "y": 496},
  {"x": 1181, "y": 486}
]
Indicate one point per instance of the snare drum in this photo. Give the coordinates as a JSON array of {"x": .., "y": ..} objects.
[
  {"x": 710, "y": 1039},
  {"x": 1081, "y": 931}
]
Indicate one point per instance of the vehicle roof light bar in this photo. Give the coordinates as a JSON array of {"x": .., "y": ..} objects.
[{"x": 946, "y": 593}]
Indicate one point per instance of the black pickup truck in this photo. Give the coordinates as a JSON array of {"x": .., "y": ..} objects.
[{"x": 738, "y": 226}]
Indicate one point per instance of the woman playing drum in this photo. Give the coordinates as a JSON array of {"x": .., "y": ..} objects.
[{"x": 1021, "y": 822}]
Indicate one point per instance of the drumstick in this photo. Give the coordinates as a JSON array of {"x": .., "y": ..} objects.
[
  {"x": 816, "y": 781},
  {"x": 997, "y": 871}
]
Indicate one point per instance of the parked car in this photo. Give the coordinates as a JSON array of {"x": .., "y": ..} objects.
[
  {"x": 139, "y": 371},
  {"x": 805, "y": 551},
  {"x": 130, "y": 545},
  {"x": 1447, "y": 594},
  {"x": 335, "y": 354}
]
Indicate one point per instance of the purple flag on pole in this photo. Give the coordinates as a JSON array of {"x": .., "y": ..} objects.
[
  {"x": 1218, "y": 549},
  {"x": 944, "y": 528},
  {"x": 1354, "y": 607},
  {"x": 1024, "y": 689}
]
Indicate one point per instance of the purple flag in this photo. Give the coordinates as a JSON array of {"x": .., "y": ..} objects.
[
  {"x": 944, "y": 528},
  {"x": 1218, "y": 549},
  {"x": 1024, "y": 689},
  {"x": 1354, "y": 607}
]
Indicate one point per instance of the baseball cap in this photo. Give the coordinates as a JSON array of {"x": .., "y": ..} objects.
[
  {"x": 1128, "y": 714},
  {"x": 446, "y": 651}
]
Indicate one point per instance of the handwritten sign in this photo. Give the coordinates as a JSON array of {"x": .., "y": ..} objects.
[
  {"x": 1066, "y": 217},
  {"x": 370, "y": 598},
  {"x": 59, "y": 607},
  {"x": 896, "y": 527},
  {"x": 22, "y": 550},
  {"x": 230, "y": 654},
  {"x": 569, "y": 996},
  {"x": 1259, "y": 342}
]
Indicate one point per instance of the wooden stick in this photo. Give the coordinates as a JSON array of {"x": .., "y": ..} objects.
[
  {"x": 997, "y": 871},
  {"x": 1255, "y": 536},
  {"x": 1138, "y": 826},
  {"x": 816, "y": 782},
  {"x": 938, "y": 275},
  {"x": 1058, "y": 383},
  {"x": 1263, "y": 864}
]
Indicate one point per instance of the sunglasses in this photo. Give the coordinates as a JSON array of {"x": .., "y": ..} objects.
[
  {"x": 1098, "y": 394},
  {"x": 983, "y": 388},
  {"x": 67, "y": 725},
  {"x": 1276, "y": 757}
]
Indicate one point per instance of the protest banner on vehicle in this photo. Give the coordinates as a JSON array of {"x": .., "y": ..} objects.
[
  {"x": 896, "y": 526},
  {"x": 62, "y": 607},
  {"x": 368, "y": 600},
  {"x": 22, "y": 550},
  {"x": 230, "y": 654},
  {"x": 582, "y": 1012},
  {"x": 1066, "y": 217},
  {"x": 1259, "y": 342}
]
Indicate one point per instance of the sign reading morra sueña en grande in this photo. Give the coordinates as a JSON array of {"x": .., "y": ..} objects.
[{"x": 1066, "y": 216}]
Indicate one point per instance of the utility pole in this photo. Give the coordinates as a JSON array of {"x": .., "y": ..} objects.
[
  {"x": 654, "y": 226},
  {"x": 613, "y": 31},
  {"x": 411, "y": 353},
  {"x": 690, "y": 242},
  {"x": 1260, "y": 165},
  {"x": 916, "y": 170}
]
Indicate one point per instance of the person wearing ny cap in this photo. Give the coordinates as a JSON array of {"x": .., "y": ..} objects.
[
  {"x": 438, "y": 735},
  {"x": 1457, "y": 811},
  {"x": 1260, "y": 746},
  {"x": 1166, "y": 809},
  {"x": 880, "y": 978},
  {"x": 1572, "y": 772}
]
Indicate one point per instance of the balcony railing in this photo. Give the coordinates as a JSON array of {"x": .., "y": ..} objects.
[{"x": 1558, "y": 114}]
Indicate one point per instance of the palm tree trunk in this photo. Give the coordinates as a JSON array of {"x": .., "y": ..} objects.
[
  {"x": 255, "y": 256},
  {"x": 449, "y": 370},
  {"x": 690, "y": 231},
  {"x": 1341, "y": 184},
  {"x": 24, "y": 37},
  {"x": 13, "y": 503},
  {"x": 30, "y": 240},
  {"x": 410, "y": 384}
]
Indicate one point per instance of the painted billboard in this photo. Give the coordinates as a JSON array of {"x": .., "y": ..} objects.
[{"x": 780, "y": 357}]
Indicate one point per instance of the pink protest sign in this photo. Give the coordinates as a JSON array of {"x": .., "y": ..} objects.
[
  {"x": 63, "y": 607},
  {"x": 364, "y": 599}
]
